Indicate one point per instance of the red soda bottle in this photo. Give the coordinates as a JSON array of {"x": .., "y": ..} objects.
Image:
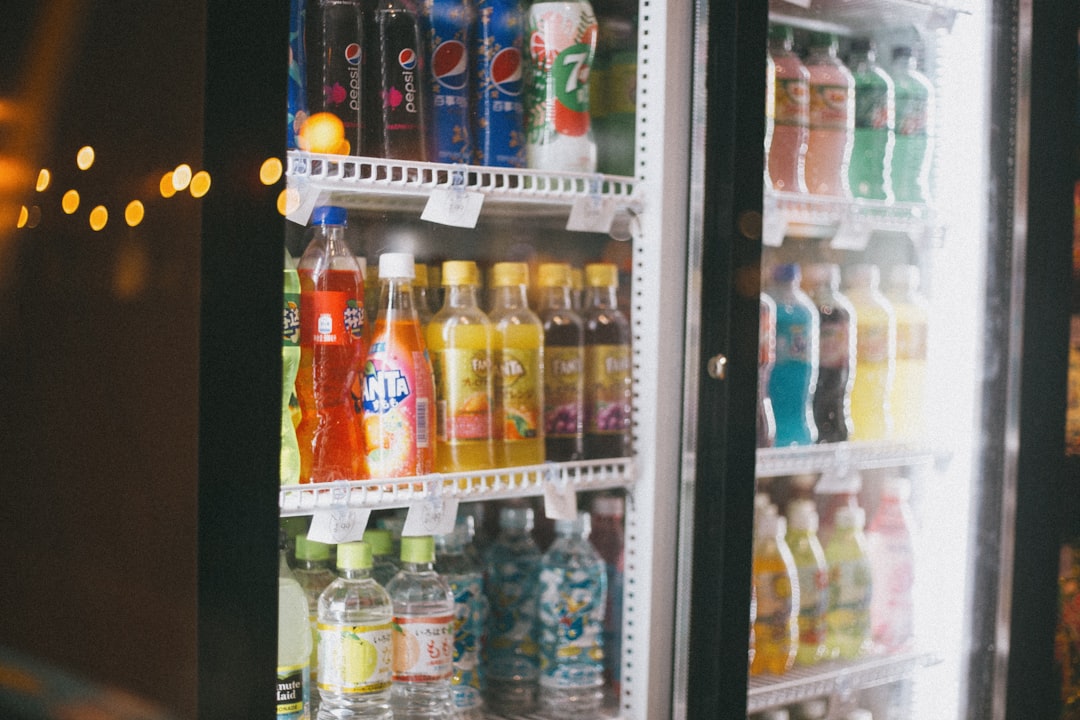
[{"x": 331, "y": 353}]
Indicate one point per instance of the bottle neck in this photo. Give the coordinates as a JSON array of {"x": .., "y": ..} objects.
[
  {"x": 556, "y": 298},
  {"x": 460, "y": 296},
  {"x": 396, "y": 300},
  {"x": 355, "y": 573},
  {"x": 417, "y": 567},
  {"x": 602, "y": 297},
  {"x": 510, "y": 297}
]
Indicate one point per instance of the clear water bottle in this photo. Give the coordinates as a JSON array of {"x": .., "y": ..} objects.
[
  {"x": 313, "y": 572},
  {"x": 294, "y": 648},
  {"x": 423, "y": 635},
  {"x": 510, "y": 654},
  {"x": 354, "y": 641},
  {"x": 572, "y": 596},
  {"x": 383, "y": 567},
  {"x": 463, "y": 573}
]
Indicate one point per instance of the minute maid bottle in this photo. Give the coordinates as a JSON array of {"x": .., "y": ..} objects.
[{"x": 572, "y": 596}]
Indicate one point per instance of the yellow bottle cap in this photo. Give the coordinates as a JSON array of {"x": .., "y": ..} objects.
[
  {"x": 602, "y": 275},
  {"x": 354, "y": 556},
  {"x": 506, "y": 274},
  {"x": 554, "y": 275},
  {"x": 460, "y": 272},
  {"x": 419, "y": 549},
  {"x": 420, "y": 272}
]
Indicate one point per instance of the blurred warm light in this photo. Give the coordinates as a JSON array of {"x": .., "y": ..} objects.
[
  {"x": 43, "y": 179},
  {"x": 270, "y": 172},
  {"x": 99, "y": 217},
  {"x": 166, "y": 185},
  {"x": 24, "y": 215},
  {"x": 133, "y": 213},
  {"x": 323, "y": 133},
  {"x": 288, "y": 200},
  {"x": 200, "y": 184},
  {"x": 70, "y": 201},
  {"x": 34, "y": 217},
  {"x": 181, "y": 176},
  {"x": 85, "y": 158}
]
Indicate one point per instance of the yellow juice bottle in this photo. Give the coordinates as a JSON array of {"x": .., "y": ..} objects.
[
  {"x": 460, "y": 340},
  {"x": 912, "y": 320},
  {"x": 776, "y": 586},
  {"x": 519, "y": 356},
  {"x": 875, "y": 356}
]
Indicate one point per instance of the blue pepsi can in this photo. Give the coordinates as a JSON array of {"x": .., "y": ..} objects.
[
  {"x": 449, "y": 27},
  {"x": 297, "y": 93},
  {"x": 500, "y": 124}
]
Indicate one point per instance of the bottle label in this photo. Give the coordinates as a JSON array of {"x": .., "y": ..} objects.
[
  {"x": 570, "y": 615},
  {"x": 793, "y": 343},
  {"x": 397, "y": 395},
  {"x": 498, "y": 80},
  {"x": 830, "y": 107},
  {"x": 562, "y": 39},
  {"x": 290, "y": 321},
  {"x": 423, "y": 648},
  {"x": 835, "y": 345},
  {"x": 911, "y": 341},
  {"x": 911, "y": 115},
  {"x": 520, "y": 383},
  {"x": 510, "y": 650},
  {"x": 449, "y": 25},
  {"x": 774, "y": 609},
  {"x": 468, "y": 626},
  {"x": 813, "y": 603},
  {"x": 873, "y": 343},
  {"x": 354, "y": 659},
  {"x": 872, "y": 106},
  {"x": 607, "y": 389},
  {"x": 849, "y": 594},
  {"x": 464, "y": 381},
  {"x": 293, "y": 692},
  {"x": 792, "y": 102},
  {"x": 564, "y": 391},
  {"x": 330, "y": 317}
]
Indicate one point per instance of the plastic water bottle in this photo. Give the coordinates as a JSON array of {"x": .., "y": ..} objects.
[
  {"x": 914, "y": 110},
  {"x": 290, "y": 363},
  {"x": 813, "y": 574},
  {"x": 294, "y": 648},
  {"x": 832, "y": 119},
  {"x": 875, "y": 355},
  {"x": 836, "y": 353},
  {"x": 608, "y": 395},
  {"x": 383, "y": 567},
  {"x": 786, "y": 156},
  {"x": 776, "y": 584},
  {"x": 313, "y": 573},
  {"x": 510, "y": 654},
  {"x": 571, "y": 599},
  {"x": 870, "y": 171},
  {"x": 889, "y": 545},
  {"x": 423, "y": 635},
  {"x": 847, "y": 633},
  {"x": 466, "y": 579},
  {"x": 793, "y": 380},
  {"x": 908, "y": 398},
  {"x": 609, "y": 539},
  {"x": 354, "y": 641}
]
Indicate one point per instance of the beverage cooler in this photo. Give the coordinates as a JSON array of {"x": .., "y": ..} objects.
[{"x": 733, "y": 175}]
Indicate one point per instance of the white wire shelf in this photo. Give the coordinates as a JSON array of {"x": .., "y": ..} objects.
[
  {"x": 845, "y": 17},
  {"x": 365, "y": 183},
  {"x": 848, "y": 224},
  {"x": 833, "y": 678},
  {"x": 838, "y": 459},
  {"x": 497, "y": 484}
]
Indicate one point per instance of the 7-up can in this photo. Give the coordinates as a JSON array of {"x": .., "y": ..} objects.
[{"x": 562, "y": 41}]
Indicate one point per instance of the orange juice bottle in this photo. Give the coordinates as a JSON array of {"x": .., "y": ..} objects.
[
  {"x": 460, "y": 339},
  {"x": 519, "y": 353},
  {"x": 776, "y": 586},
  {"x": 398, "y": 384}
]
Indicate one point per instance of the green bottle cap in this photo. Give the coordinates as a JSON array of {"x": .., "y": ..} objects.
[
  {"x": 311, "y": 549},
  {"x": 354, "y": 556},
  {"x": 419, "y": 549},
  {"x": 382, "y": 543}
]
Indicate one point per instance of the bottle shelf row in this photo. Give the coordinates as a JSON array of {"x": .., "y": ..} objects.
[
  {"x": 832, "y": 678},
  {"x": 840, "y": 458},
  {"x": 497, "y": 484},
  {"x": 848, "y": 224},
  {"x": 844, "y": 16},
  {"x": 364, "y": 183}
]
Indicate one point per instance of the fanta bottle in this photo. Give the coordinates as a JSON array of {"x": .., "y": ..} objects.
[
  {"x": 875, "y": 355},
  {"x": 832, "y": 118},
  {"x": 331, "y": 353},
  {"x": 519, "y": 354},
  {"x": 564, "y": 366},
  {"x": 776, "y": 585},
  {"x": 460, "y": 340},
  {"x": 398, "y": 384}
]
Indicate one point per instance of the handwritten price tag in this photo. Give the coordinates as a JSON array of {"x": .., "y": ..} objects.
[
  {"x": 592, "y": 214},
  {"x": 434, "y": 516},
  {"x": 560, "y": 500},
  {"x": 338, "y": 525},
  {"x": 457, "y": 208},
  {"x": 300, "y": 202}
]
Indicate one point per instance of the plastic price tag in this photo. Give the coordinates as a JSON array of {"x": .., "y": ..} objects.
[
  {"x": 454, "y": 205},
  {"x": 431, "y": 516},
  {"x": 300, "y": 202},
  {"x": 560, "y": 499},
  {"x": 592, "y": 212},
  {"x": 853, "y": 233},
  {"x": 339, "y": 523}
]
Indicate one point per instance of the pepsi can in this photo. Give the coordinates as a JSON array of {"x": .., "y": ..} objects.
[
  {"x": 336, "y": 52},
  {"x": 500, "y": 127},
  {"x": 401, "y": 70},
  {"x": 449, "y": 29},
  {"x": 297, "y": 93}
]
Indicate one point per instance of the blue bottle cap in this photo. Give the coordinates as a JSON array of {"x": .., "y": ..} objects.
[
  {"x": 788, "y": 272},
  {"x": 329, "y": 215}
]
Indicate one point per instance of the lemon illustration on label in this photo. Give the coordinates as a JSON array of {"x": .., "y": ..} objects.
[{"x": 361, "y": 659}]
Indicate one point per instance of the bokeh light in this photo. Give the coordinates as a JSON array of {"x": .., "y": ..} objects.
[
  {"x": 99, "y": 217},
  {"x": 181, "y": 176},
  {"x": 288, "y": 200},
  {"x": 270, "y": 172},
  {"x": 133, "y": 213},
  {"x": 43, "y": 179},
  {"x": 323, "y": 133},
  {"x": 85, "y": 157},
  {"x": 24, "y": 215},
  {"x": 166, "y": 185},
  {"x": 70, "y": 201},
  {"x": 200, "y": 184}
]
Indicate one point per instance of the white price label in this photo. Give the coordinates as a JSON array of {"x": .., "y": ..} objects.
[
  {"x": 852, "y": 234},
  {"x": 434, "y": 516},
  {"x": 560, "y": 500},
  {"x": 457, "y": 208},
  {"x": 338, "y": 525},
  {"x": 592, "y": 214},
  {"x": 300, "y": 202}
]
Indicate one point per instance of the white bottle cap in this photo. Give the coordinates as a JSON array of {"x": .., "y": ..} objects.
[
  {"x": 397, "y": 265},
  {"x": 802, "y": 515},
  {"x": 850, "y": 517},
  {"x": 863, "y": 276}
]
